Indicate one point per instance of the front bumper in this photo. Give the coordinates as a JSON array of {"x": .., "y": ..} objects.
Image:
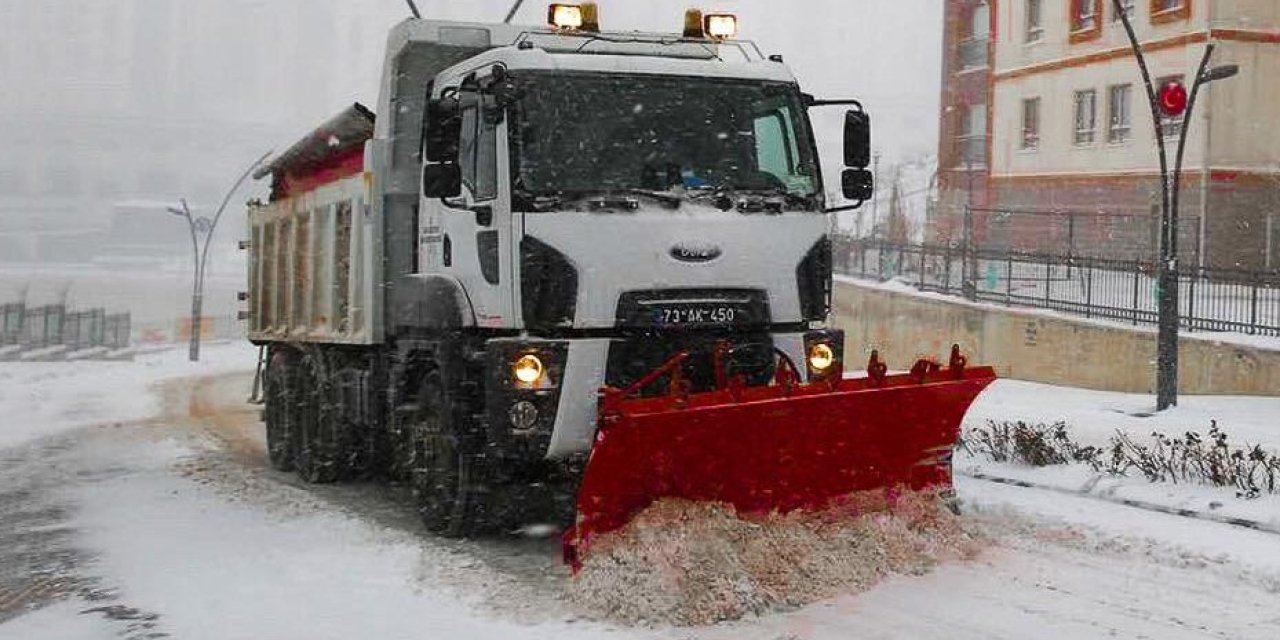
[{"x": 577, "y": 369}]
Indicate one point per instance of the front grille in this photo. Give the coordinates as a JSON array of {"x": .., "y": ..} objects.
[{"x": 633, "y": 358}]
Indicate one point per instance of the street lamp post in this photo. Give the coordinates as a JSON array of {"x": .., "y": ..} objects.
[
  {"x": 202, "y": 229},
  {"x": 1170, "y": 100}
]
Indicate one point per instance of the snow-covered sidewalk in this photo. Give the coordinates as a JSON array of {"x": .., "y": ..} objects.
[{"x": 1093, "y": 417}]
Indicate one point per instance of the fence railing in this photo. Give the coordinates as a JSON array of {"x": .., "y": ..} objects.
[
  {"x": 26, "y": 329},
  {"x": 1120, "y": 290}
]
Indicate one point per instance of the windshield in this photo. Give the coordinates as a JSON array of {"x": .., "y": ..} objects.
[{"x": 592, "y": 133}]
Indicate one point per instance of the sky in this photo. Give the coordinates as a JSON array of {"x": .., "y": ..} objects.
[{"x": 123, "y": 101}]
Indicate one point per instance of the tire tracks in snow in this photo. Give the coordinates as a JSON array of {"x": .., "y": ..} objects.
[{"x": 41, "y": 559}]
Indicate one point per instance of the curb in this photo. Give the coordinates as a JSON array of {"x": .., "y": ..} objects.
[{"x": 1243, "y": 523}]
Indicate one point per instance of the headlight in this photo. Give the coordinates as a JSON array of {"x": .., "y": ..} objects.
[
  {"x": 821, "y": 356},
  {"x": 528, "y": 369}
]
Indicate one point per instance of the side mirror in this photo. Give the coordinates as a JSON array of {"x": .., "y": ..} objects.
[
  {"x": 857, "y": 139},
  {"x": 858, "y": 184},
  {"x": 442, "y": 180},
  {"x": 443, "y": 133}
]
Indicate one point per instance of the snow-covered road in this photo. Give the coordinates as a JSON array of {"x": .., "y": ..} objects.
[{"x": 173, "y": 527}]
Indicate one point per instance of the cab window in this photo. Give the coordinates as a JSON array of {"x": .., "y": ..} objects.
[{"x": 479, "y": 154}]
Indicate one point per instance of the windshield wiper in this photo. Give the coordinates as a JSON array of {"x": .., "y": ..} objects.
[
  {"x": 753, "y": 200},
  {"x": 536, "y": 202},
  {"x": 616, "y": 198},
  {"x": 670, "y": 199}
]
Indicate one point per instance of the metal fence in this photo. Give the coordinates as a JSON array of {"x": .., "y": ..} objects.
[
  {"x": 1121, "y": 290},
  {"x": 11, "y": 317},
  {"x": 27, "y": 329}
]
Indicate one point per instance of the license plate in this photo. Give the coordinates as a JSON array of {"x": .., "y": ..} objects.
[{"x": 693, "y": 314}]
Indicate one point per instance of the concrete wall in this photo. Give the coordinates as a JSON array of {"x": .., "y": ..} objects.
[{"x": 1039, "y": 348}]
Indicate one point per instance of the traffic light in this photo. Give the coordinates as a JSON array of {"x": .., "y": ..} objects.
[{"x": 1173, "y": 99}]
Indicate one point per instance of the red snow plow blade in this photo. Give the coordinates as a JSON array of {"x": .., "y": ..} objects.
[{"x": 781, "y": 447}]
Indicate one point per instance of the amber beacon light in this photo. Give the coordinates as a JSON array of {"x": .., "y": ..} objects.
[
  {"x": 710, "y": 26},
  {"x": 574, "y": 17}
]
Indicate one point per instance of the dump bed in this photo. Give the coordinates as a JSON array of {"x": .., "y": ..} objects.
[{"x": 311, "y": 255}]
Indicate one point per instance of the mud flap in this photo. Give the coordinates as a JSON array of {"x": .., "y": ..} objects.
[{"x": 781, "y": 447}]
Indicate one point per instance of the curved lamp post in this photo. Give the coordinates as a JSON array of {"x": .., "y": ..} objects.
[
  {"x": 1170, "y": 186},
  {"x": 202, "y": 229}
]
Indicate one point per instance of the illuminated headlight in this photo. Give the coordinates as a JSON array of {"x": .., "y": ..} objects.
[
  {"x": 565, "y": 16},
  {"x": 524, "y": 416},
  {"x": 721, "y": 26},
  {"x": 821, "y": 357},
  {"x": 528, "y": 369}
]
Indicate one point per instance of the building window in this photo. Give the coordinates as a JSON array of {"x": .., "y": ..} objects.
[
  {"x": 973, "y": 49},
  {"x": 1086, "y": 116},
  {"x": 1129, "y": 8},
  {"x": 1035, "y": 26},
  {"x": 1172, "y": 126},
  {"x": 1164, "y": 11},
  {"x": 1083, "y": 15},
  {"x": 973, "y": 136},
  {"x": 1031, "y": 123},
  {"x": 1086, "y": 20},
  {"x": 980, "y": 24},
  {"x": 1119, "y": 108}
]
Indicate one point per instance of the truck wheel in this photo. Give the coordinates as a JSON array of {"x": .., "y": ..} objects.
[
  {"x": 321, "y": 446},
  {"x": 279, "y": 406},
  {"x": 442, "y": 471}
]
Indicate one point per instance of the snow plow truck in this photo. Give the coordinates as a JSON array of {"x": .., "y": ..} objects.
[{"x": 573, "y": 271}]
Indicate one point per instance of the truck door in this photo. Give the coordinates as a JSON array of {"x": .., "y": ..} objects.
[{"x": 476, "y": 226}]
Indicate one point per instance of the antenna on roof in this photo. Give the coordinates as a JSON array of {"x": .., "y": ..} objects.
[
  {"x": 512, "y": 14},
  {"x": 414, "y": 8}
]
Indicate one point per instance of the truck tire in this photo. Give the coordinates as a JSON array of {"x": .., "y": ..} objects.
[
  {"x": 322, "y": 443},
  {"x": 444, "y": 471},
  {"x": 278, "y": 416}
]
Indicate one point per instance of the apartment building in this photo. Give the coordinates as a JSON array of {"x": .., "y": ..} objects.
[{"x": 1061, "y": 107}]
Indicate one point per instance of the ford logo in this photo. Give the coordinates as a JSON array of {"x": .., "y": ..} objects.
[{"x": 695, "y": 252}]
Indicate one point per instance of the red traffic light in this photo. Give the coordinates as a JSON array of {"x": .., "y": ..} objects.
[{"x": 1173, "y": 99}]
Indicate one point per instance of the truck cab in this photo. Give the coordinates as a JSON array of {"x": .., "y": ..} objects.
[{"x": 624, "y": 197}]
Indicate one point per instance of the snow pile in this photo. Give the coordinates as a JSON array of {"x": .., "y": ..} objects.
[{"x": 689, "y": 563}]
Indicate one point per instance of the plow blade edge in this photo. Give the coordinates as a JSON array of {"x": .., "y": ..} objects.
[{"x": 774, "y": 448}]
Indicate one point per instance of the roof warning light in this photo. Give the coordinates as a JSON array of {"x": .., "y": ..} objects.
[
  {"x": 574, "y": 17},
  {"x": 711, "y": 26}
]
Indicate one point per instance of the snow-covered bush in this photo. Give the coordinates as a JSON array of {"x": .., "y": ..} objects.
[{"x": 1192, "y": 459}]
